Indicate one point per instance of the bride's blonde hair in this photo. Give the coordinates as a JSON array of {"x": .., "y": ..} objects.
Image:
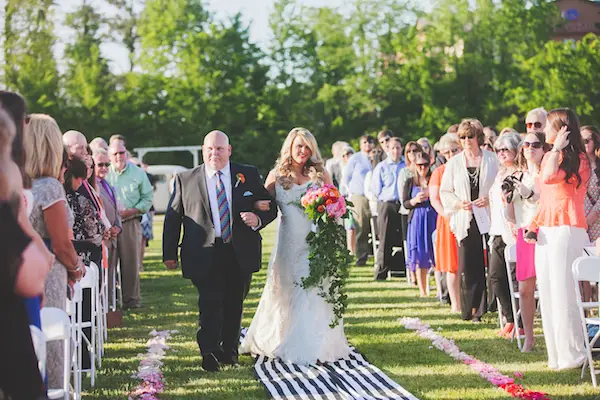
[{"x": 314, "y": 167}]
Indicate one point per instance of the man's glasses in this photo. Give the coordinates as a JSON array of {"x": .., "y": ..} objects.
[
  {"x": 537, "y": 125},
  {"x": 103, "y": 164},
  {"x": 533, "y": 145}
]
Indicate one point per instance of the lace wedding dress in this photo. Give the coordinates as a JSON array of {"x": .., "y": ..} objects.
[{"x": 292, "y": 323}]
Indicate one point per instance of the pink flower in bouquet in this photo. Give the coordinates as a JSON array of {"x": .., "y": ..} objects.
[{"x": 337, "y": 209}]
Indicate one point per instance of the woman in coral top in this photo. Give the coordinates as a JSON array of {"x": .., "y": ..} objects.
[
  {"x": 561, "y": 236},
  {"x": 446, "y": 249}
]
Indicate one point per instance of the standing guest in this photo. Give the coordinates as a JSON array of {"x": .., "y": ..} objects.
[
  {"x": 500, "y": 231},
  {"x": 490, "y": 135},
  {"x": 421, "y": 223},
  {"x": 385, "y": 189},
  {"x": 383, "y": 137},
  {"x": 376, "y": 156},
  {"x": 561, "y": 237},
  {"x": 134, "y": 191},
  {"x": 411, "y": 151},
  {"x": 332, "y": 165},
  {"x": 536, "y": 120},
  {"x": 98, "y": 143},
  {"x": 354, "y": 178},
  {"x": 446, "y": 250},
  {"x": 466, "y": 184},
  {"x": 23, "y": 268},
  {"x": 520, "y": 210},
  {"x": 109, "y": 200},
  {"x": 52, "y": 219},
  {"x": 76, "y": 144},
  {"x": 453, "y": 129},
  {"x": 591, "y": 140},
  {"x": 349, "y": 223},
  {"x": 427, "y": 148}
]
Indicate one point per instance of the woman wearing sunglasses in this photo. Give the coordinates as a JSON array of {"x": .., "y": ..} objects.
[
  {"x": 591, "y": 141},
  {"x": 500, "y": 231},
  {"x": 466, "y": 184},
  {"x": 421, "y": 222},
  {"x": 561, "y": 236},
  {"x": 520, "y": 211}
]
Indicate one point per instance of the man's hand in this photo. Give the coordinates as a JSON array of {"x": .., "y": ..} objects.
[
  {"x": 128, "y": 213},
  {"x": 170, "y": 264},
  {"x": 250, "y": 219},
  {"x": 114, "y": 231}
]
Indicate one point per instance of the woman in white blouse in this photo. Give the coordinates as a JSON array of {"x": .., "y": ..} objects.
[
  {"x": 466, "y": 184},
  {"x": 521, "y": 211}
]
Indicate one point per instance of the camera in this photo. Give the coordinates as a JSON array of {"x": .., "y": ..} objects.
[{"x": 508, "y": 186}]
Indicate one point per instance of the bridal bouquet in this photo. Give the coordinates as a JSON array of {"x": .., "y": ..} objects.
[{"x": 328, "y": 257}]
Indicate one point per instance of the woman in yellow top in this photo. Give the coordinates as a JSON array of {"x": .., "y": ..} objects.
[{"x": 561, "y": 236}]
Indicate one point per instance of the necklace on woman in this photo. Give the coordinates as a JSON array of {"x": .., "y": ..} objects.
[{"x": 473, "y": 176}]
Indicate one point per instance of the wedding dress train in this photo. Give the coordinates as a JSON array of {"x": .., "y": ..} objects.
[{"x": 292, "y": 323}]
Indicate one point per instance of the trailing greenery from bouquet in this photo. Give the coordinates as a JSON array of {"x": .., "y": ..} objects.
[{"x": 328, "y": 257}]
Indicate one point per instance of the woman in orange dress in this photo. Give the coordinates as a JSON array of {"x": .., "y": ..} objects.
[{"x": 446, "y": 251}]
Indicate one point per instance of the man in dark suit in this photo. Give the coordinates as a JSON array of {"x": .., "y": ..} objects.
[{"x": 221, "y": 245}]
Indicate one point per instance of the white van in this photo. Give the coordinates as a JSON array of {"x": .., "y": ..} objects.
[{"x": 163, "y": 187}]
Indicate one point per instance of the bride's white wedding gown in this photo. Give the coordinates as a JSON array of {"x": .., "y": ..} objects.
[{"x": 292, "y": 323}]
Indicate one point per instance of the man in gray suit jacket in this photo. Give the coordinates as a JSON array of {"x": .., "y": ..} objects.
[
  {"x": 221, "y": 245},
  {"x": 109, "y": 200}
]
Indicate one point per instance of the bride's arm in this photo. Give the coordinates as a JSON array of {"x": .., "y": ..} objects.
[{"x": 270, "y": 183}]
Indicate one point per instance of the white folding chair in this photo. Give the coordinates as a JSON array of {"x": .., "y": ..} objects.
[
  {"x": 74, "y": 309},
  {"x": 587, "y": 269},
  {"x": 57, "y": 326},
  {"x": 90, "y": 281},
  {"x": 39, "y": 346},
  {"x": 117, "y": 291}
]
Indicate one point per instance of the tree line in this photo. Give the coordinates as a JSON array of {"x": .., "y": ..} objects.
[{"x": 340, "y": 72}]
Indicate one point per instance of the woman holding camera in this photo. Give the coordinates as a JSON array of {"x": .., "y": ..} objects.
[
  {"x": 500, "y": 231},
  {"x": 521, "y": 208},
  {"x": 561, "y": 237},
  {"x": 466, "y": 184}
]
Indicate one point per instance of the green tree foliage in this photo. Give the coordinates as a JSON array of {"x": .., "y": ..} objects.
[{"x": 340, "y": 72}]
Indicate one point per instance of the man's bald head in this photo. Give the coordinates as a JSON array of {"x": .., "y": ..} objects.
[
  {"x": 216, "y": 150},
  {"x": 76, "y": 143}
]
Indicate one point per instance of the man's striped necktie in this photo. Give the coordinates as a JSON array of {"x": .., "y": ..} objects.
[{"x": 224, "y": 218}]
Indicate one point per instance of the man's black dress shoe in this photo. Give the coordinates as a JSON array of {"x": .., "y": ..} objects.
[
  {"x": 227, "y": 358},
  {"x": 210, "y": 363}
]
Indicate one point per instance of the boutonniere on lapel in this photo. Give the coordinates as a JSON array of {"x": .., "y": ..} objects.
[{"x": 240, "y": 179}]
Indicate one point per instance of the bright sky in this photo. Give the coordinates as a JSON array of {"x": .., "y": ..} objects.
[{"x": 254, "y": 11}]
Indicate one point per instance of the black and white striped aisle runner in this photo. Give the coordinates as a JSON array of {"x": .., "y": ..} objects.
[{"x": 351, "y": 378}]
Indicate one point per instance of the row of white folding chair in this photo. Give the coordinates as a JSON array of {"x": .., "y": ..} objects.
[
  {"x": 117, "y": 292},
  {"x": 56, "y": 326},
  {"x": 587, "y": 269}
]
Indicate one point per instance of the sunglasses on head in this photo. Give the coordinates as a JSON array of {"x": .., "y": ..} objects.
[
  {"x": 103, "y": 164},
  {"x": 536, "y": 124},
  {"x": 534, "y": 145}
]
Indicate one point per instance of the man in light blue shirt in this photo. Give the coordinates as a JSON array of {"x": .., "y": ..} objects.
[
  {"x": 385, "y": 188},
  {"x": 135, "y": 195},
  {"x": 354, "y": 179}
]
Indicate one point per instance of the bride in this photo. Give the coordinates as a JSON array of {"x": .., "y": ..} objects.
[{"x": 292, "y": 323}]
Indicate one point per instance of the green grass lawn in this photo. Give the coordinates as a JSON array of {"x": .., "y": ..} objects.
[{"x": 371, "y": 326}]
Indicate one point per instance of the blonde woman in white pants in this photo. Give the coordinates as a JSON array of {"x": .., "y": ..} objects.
[{"x": 561, "y": 235}]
